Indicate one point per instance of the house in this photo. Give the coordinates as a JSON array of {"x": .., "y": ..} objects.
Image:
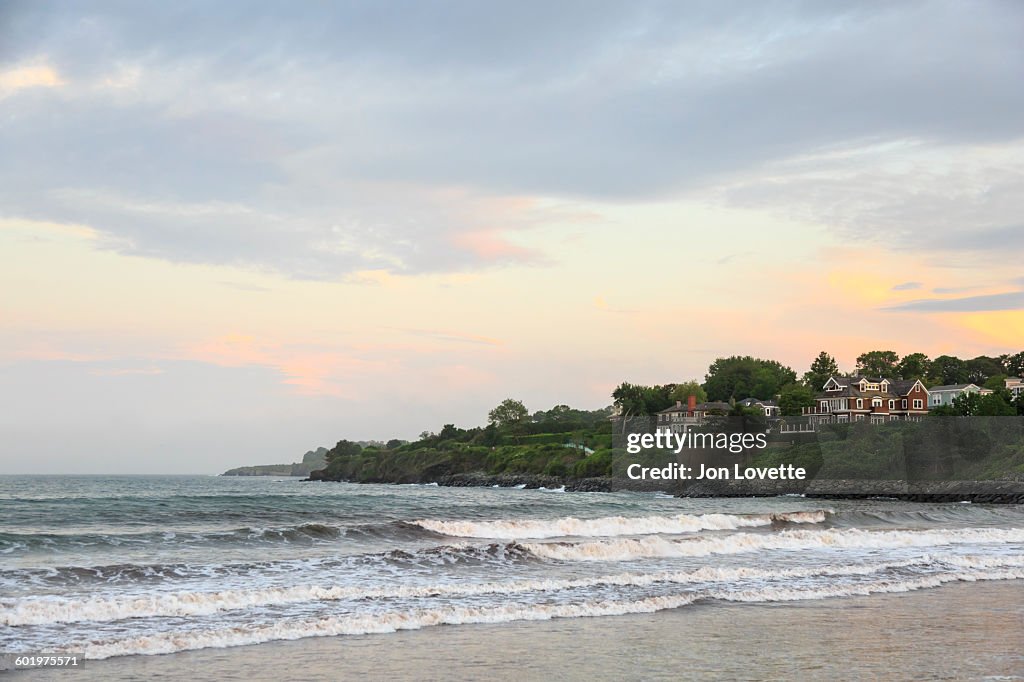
[
  {"x": 1015, "y": 385},
  {"x": 876, "y": 399},
  {"x": 680, "y": 417},
  {"x": 944, "y": 395},
  {"x": 769, "y": 407}
]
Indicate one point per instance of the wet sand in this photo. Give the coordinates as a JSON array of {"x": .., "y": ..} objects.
[{"x": 959, "y": 631}]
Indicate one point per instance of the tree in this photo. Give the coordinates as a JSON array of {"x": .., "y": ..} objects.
[
  {"x": 740, "y": 377},
  {"x": 449, "y": 431},
  {"x": 490, "y": 436},
  {"x": 684, "y": 390},
  {"x": 995, "y": 405},
  {"x": 508, "y": 413},
  {"x": 794, "y": 397},
  {"x": 635, "y": 399},
  {"x": 877, "y": 363},
  {"x": 979, "y": 369},
  {"x": 1014, "y": 364},
  {"x": 629, "y": 399},
  {"x": 947, "y": 370},
  {"x": 394, "y": 444},
  {"x": 967, "y": 404},
  {"x": 913, "y": 366},
  {"x": 344, "y": 448},
  {"x": 996, "y": 383},
  {"x": 823, "y": 367},
  {"x": 977, "y": 405}
]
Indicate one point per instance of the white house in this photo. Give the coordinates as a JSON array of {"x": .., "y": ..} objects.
[
  {"x": 769, "y": 407},
  {"x": 944, "y": 395},
  {"x": 1015, "y": 385}
]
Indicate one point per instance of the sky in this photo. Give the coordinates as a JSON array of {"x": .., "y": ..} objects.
[{"x": 233, "y": 232}]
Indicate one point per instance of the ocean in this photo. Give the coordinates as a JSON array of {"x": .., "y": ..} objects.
[{"x": 129, "y": 568}]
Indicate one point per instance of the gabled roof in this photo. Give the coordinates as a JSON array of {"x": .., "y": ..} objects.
[
  {"x": 897, "y": 388},
  {"x": 844, "y": 392},
  {"x": 952, "y": 387}
]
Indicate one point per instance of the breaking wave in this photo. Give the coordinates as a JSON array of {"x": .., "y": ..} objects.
[
  {"x": 392, "y": 621},
  {"x": 614, "y": 525},
  {"x": 306, "y": 533},
  {"x": 48, "y": 610},
  {"x": 626, "y": 549}
]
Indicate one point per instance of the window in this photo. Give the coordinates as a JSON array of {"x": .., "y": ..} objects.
[
  {"x": 918, "y": 403},
  {"x": 876, "y": 402},
  {"x": 892, "y": 404},
  {"x": 860, "y": 403},
  {"x": 904, "y": 403}
]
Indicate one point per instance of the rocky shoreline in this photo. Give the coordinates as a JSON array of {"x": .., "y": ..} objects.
[
  {"x": 481, "y": 480},
  {"x": 990, "y": 492}
]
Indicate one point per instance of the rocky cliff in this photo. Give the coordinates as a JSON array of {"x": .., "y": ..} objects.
[{"x": 311, "y": 461}]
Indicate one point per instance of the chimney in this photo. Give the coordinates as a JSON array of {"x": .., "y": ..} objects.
[
  {"x": 679, "y": 403},
  {"x": 691, "y": 404}
]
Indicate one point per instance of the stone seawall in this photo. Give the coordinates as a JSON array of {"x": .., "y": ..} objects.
[{"x": 1001, "y": 492}]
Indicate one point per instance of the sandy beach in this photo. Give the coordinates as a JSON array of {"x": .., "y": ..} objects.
[{"x": 956, "y": 632}]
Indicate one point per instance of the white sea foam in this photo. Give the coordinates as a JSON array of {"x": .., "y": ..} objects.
[
  {"x": 626, "y": 549},
  {"x": 612, "y": 525},
  {"x": 374, "y": 623},
  {"x": 48, "y": 610}
]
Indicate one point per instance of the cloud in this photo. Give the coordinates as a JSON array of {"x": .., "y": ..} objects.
[
  {"x": 1013, "y": 300},
  {"x": 28, "y": 76},
  {"x": 328, "y": 139},
  {"x": 1000, "y": 239},
  {"x": 907, "y": 286}
]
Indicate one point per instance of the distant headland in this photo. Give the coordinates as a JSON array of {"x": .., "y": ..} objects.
[{"x": 311, "y": 461}]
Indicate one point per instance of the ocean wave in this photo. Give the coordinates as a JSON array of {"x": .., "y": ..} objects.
[
  {"x": 305, "y": 533},
  {"x": 614, "y": 525},
  {"x": 627, "y": 549},
  {"x": 50, "y": 610},
  {"x": 392, "y": 621},
  {"x": 130, "y": 574}
]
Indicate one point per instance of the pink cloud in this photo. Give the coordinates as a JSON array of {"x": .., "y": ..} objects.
[{"x": 491, "y": 246}]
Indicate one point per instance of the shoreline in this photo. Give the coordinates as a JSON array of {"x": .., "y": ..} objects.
[
  {"x": 996, "y": 492},
  {"x": 837, "y": 638}
]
